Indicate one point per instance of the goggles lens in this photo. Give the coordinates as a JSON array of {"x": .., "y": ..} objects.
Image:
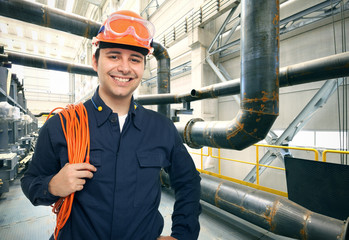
[{"x": 118, "y": 26}]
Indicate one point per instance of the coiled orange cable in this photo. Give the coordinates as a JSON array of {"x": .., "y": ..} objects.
[{"x": 77, "y": 135}]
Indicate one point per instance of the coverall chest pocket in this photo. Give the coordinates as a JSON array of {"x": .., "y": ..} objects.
[
  {"x": 148, "y": 176},
  {"x": 87, "y": 197},
  {"x": 96, "y": 160}
]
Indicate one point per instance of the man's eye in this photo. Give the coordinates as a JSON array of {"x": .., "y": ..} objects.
[
  {"x": 135, "y": 60},
  {"x": 113, "y": 56}
]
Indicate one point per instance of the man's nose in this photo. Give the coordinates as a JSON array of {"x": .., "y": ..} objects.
[{"x": 124, "y": 66}]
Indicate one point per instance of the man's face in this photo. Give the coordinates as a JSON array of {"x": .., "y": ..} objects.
[{"x": 119, "y": 71}]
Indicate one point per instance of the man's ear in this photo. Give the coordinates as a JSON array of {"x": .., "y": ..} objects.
[{"x": 94, "y": 63}]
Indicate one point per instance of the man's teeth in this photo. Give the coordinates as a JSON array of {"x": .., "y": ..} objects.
[{"x": 122, "y": 79}]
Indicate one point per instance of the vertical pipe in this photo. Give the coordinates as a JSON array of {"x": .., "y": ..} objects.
[
  {"x": 259, "y": 92},
  {"x": 259, "y": 66},
  {"x": 163, "y": 75}
]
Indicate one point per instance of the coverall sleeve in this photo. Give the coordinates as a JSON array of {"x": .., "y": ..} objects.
[
  {"x": 185, "y": 181},
  {"x": 44, "y": 165}
]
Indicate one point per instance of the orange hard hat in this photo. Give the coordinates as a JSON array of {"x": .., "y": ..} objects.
[{"x": 127, "y": 28}]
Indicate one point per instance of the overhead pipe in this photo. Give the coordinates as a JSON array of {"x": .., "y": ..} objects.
[
  {"x": 46, "y": 63},
  {"x": 259, "y": 105},
  {"x": 163, "y": 75},
  {"x": 334, "y": 66},
  {"x": 45, "y": 16},
  {"x": 268, "y": 211}
]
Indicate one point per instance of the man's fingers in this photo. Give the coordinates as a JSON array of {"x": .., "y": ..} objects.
[
  {"x": 84, "y": 174},
  {"x": 83, "y": 166},
  {"x": 80, "y": 182}
]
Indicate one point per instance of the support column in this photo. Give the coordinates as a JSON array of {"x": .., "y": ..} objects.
[{"x": 201, "y": 73}]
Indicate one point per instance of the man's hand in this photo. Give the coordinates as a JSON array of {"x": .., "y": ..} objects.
[
  {"x": 70, "y": 178},
  {"x": 166, "y": 238}
]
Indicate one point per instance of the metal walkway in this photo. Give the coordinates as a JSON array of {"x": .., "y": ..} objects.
[{"x": 20, "y": 220}]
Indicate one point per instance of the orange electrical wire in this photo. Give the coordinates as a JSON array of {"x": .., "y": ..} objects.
[{"x": 77, "y": 135}]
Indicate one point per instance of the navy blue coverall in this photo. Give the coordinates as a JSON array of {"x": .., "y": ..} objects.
[{"x": 121, "y": 201}]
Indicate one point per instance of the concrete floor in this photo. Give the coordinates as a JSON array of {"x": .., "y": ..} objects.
[{"x": 20, "y": 220}]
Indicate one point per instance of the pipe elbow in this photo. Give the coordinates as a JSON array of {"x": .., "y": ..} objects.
[
  {"x": 248, "y": 128},
  {"x": 160, "y": 51}
]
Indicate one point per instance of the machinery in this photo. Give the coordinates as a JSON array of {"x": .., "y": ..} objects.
[{"x": 17, "y": 128}]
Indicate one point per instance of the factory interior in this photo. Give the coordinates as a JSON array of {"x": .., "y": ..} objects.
[{"x": 258, "y": 91}]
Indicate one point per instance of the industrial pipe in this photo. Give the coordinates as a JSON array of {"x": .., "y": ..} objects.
[
  {"x": 46, "y": 63},
  {"x": 268, "y": 211},
  {"x": 45, "y": 16},
  {"x": 163, "y": 75},
  {"x": 334, "y": 66},
  {"x": 259, "y": 106}
]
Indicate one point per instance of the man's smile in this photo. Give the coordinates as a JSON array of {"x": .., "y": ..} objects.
[{"x": 122, "y": 79}]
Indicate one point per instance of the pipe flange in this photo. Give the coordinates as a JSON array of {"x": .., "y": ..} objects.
[{"x": 187, "y": 132}]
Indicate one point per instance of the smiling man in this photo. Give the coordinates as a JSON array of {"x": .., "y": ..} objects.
[{"x": 117, "y": 194}]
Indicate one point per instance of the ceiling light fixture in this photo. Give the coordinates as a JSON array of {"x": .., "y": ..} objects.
[
  {"x": 3, "y": 28},
  {"x": 19, "y": 31},
  {"x": 48, "y": 38},
  {"x": 51, "y": 3},
  {"x": 69, "y": 6},
  {"x": 35, "y": 35}
]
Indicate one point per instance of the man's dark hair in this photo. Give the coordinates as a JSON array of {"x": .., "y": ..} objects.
[{"x": 98, "y": 52}]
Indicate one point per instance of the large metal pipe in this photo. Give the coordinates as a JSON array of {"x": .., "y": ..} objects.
[
  {"x": 334, "y": 66},
  {"x": 163, "y": 75},
  {"x": 46, "y": 63},
  {"x": 268, "y": 211},
  {"x": 329, "y": 67},
  {"x": 45, "y": 16},
  {"x": 259, "y": 84}
]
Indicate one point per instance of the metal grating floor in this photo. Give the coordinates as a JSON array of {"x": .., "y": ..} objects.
[{"x": 20, "y": 220}]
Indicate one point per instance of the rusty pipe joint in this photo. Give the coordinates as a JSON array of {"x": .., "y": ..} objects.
[{"x": 188, "y": 133}]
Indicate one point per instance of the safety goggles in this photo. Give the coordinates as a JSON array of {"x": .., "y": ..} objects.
[{"x": 118, "y": 26}]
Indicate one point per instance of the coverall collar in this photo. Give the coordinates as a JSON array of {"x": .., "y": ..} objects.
[{"x": 105, "y": 112}]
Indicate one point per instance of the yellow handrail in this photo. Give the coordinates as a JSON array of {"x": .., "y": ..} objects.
[
  {"x": 332, "y": 151},
  {"x": 253, "y": 185},
  {"x": 257, "y": 164},
  {"x": 295, "y": 148}
]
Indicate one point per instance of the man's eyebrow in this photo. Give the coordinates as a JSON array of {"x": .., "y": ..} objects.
[{"x": 113, "y": 52}]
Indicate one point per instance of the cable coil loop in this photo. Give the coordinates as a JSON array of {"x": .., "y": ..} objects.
[{"x": 77, "y": 135}]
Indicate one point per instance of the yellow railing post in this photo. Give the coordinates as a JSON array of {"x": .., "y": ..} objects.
[
  {"x": 202, "y": 159},
  {"x": 324, "y": 153},
  {"x": 219, "y": 161}
]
